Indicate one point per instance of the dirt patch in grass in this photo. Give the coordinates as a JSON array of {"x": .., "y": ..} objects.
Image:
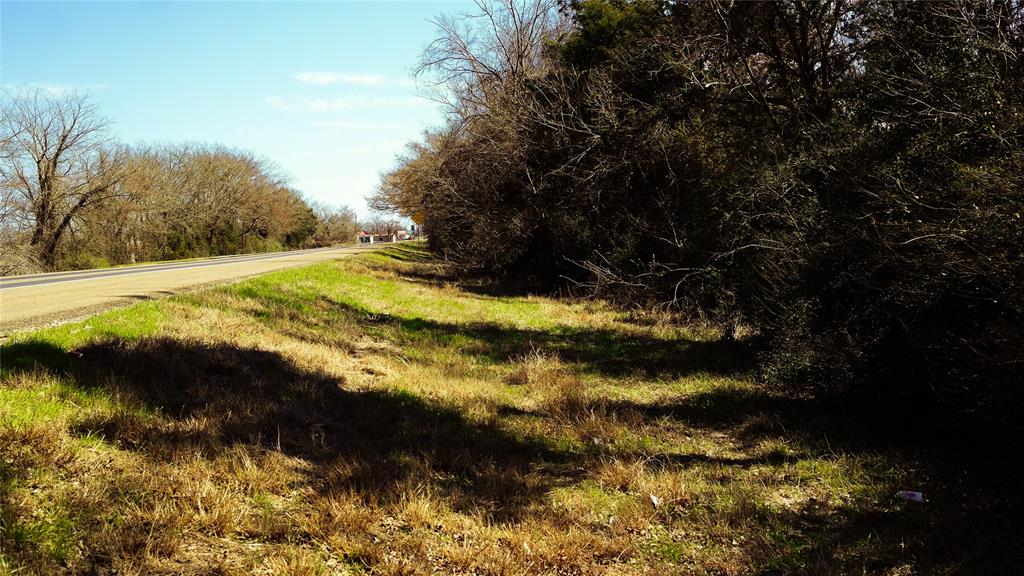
[{"x": 366, "y": 416}]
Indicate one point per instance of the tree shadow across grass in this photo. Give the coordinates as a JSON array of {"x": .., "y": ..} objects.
[
  {"x": 606, "y": 352},
  {"x": 602, "y": 351},
  {"x": 30, "y": 355},
  {"x": 407, "y": 253},
  {"x": 203, "y": 399},
  {"x": 422, "y": 267},
  {"x": 969, "y": 524}
]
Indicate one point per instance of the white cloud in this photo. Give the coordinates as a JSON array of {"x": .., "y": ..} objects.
[
  {"x": 357, "y": 125},
  {"x": 323, "y": 78},
  {"x": 55, "y": 89},
  {"x": 343, "y": 103}
]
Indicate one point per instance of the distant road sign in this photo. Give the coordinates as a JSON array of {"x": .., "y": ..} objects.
[{"x": 417, "y": 217}]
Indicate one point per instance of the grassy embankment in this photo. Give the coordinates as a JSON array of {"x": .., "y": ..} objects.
[{"x": 367, "y": 416}]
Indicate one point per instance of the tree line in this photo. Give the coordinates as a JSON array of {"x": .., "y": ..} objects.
[
  {"x": 844, "y": 178},
  {"x": 72, "y": 197}
]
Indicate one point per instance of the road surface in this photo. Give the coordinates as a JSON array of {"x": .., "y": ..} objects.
[{"x": 34, "y": 300}]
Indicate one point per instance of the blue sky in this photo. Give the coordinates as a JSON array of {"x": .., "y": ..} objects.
[{"x": 324, "y": 89}]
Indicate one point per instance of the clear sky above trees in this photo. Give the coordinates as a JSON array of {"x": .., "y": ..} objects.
[{"x": 324, "y": 89}]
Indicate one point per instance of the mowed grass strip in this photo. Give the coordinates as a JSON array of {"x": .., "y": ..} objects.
[{"x": 370, "y": 416}]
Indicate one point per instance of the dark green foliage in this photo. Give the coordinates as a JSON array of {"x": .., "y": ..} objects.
[{"x": 846, "y": 177}]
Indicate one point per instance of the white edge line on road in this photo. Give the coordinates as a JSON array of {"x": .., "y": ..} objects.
[{"x": 185, "y": 267}]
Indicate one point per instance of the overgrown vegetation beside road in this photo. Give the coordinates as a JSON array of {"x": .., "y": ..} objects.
[
  {"x": 372, "y": 415},
  {"x": 844, "y": 177}
]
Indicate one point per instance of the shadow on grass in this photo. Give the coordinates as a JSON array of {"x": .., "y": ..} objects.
[
  {"x": 30, "y": 355},
  {"x": 409, "y": 253},
  {"x": 969, "y": 525},
  {"x": 425, "y": 269},
  {"x": 203, "y": 399},
  {"x": 598, "y": 351},
  {"x": 606, "y": 352},
  {"x": 208, "y": 398}
]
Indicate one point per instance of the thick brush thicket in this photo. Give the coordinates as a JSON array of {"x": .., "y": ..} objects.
[{"x": 845, "y": 177}]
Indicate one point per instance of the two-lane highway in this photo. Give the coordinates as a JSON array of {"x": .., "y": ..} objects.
[{"x": 37, "y": 299}]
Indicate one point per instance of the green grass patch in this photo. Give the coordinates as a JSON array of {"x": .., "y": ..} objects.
[{"x": 49, "y": 347}]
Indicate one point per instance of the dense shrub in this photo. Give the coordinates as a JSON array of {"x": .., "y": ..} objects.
[{"x": 847, "y": 177}]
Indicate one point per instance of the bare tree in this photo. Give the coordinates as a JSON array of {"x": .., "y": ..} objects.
[
  {"x": 380, "y": 226},
  {"x": 56, "y": 160},
  {"x": 334, "y": 225},
  {"x": 477, "y": 56}
]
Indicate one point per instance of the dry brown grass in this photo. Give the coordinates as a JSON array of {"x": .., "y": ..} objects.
[{"x": 366, "y": 417}]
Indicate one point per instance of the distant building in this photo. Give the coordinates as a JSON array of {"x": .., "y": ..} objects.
[{"x": 364, "y": 237}]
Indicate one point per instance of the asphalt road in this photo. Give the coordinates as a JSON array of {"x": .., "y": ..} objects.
[{"x": 34, "y": 300}]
